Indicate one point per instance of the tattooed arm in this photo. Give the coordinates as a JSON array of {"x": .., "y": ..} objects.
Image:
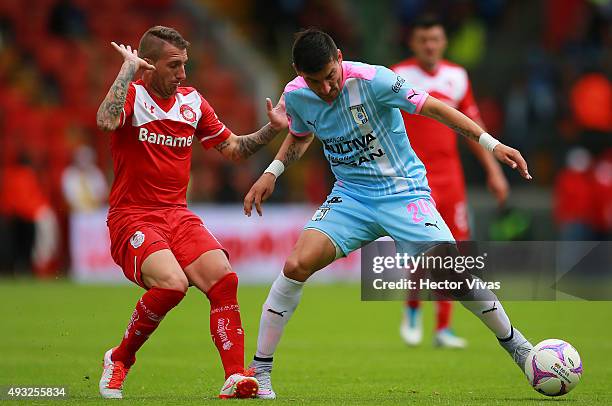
[
  {"x": 239, "y": 147},
  {"x": 292, "y": 149},
  {"x": 109, "y": 112},
  {"x": 454, "y": 119}
]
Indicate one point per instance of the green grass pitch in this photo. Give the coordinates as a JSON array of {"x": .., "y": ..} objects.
[{"x": 336, "y": 350}]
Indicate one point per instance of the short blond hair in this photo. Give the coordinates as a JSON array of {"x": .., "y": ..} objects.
[{"x": 151, "y": 42}]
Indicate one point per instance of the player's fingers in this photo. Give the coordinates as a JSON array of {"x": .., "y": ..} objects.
[
  {"x": 114, "y": 45},
  {"x": 514, "y": 162},
  {"x": 522, "y": 165},
  {"x": 508, "y": 161},
  {"x": 265, "y": 195},
  {"x": 258, "y": 205},
  {"x": 269, "y": 104},
  {"x": 248, "y": 203},
  {"x": 281, "y": 103},
  {"x": 129, "y": 49}
]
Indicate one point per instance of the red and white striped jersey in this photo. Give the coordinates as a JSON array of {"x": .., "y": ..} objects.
[
  {"x": 151, "y": 149},
  {"x": 433, "y": 142}
]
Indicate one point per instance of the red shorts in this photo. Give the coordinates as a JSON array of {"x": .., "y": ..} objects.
[
  {"x": 136, "y": 234},
  {"x": 451, "y": 202}
]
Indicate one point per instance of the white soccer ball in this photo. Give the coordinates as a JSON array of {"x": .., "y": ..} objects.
[{"x": 553, "y": 367}]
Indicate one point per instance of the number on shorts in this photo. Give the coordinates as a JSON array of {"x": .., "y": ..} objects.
[{"x": 419, "y": 209}]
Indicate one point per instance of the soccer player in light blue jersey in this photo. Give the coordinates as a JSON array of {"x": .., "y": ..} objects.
[{"x": 380, "y": 189}]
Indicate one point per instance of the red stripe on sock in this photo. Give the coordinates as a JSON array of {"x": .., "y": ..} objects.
[
  {"x": 149, "y": 312},
  {"x": 225, "y": 324}
]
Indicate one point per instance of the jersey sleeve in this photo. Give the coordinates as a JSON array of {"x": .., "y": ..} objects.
[
  {"x": 392, "y": 90},
  {"x": 128, "y": 106},
  {"x": 210, "y": 130},
  {"x": 296, "y": 125},
  {"x": 468, "y": 105}
]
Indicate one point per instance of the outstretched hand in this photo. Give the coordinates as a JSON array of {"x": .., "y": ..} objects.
[
  {"x": 260, "y": 191},
  {"x": 131, "y": 55},
  {"x": 513, "y": 159},
  {"x": 277, "y": 114}
]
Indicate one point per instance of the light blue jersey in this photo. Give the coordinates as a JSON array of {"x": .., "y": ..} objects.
[
  {"x": 381, "y": 188},
  {"x": 362, "y": 131}
]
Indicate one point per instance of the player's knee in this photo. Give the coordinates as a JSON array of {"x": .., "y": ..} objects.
[
  {"x": 219, "y": 274},
  {"x": 173, "y": 280},
  {"x": 297, "y": 270},
  {"x": 451, "y": 276},
  {"x": 222, "y": 269},
  {"x": 224, "y": 291},
  {"x": 443, "y": 249}
]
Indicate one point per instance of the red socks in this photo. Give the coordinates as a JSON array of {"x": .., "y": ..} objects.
[
  {"x": 443, "y": 313},
  {"x": 413, "y": 304},
  {"x": 225, "y": 324},
  {"x": 149, "y": 312}
]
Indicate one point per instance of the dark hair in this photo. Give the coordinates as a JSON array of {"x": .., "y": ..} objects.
[
  {"x": 152, "y": 41},
  {"x": 427, "y": 21},
  {"x": 312, "y": 50}
]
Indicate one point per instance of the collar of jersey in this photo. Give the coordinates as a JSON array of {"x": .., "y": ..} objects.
[{"x": 164, "y": 104}]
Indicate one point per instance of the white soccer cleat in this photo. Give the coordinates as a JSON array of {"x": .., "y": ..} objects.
[
  {"x": 265, "y": 386},
  {"x": 446, "y": 339},
  {"x": 263, "y": 371},
  {"x": 411, "y": 329},
  {"x": 239, "y": 386},
  {"x": 113, "y": 376}
]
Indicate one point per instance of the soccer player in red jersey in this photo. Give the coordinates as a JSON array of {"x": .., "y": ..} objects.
[
  {"x": 161, "y": 245},
  {"x": 436, "y": 146}
]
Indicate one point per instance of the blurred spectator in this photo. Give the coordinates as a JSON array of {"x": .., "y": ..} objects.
[
  {"x": 468, "y": 44},
  {"x": 591, "y": 98},
  {"x": 234, "y": 183},
  {"x": 83, "y": 184},
  {"x": 334, "y": 17},
  {"x": 562, "y": 21},
  {"x": 32, "y": 236},
  {"x": 602, "y": 190},
  {"x": 68, "y": 20},
  {"x": 573, "y": 198},
  {"x": 535, "y": 62},
  {"x": 317, "y": 184}
]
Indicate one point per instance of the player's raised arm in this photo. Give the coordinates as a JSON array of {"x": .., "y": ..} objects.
[
  {"x": 459, "y": 122},
  {"x": 109, "y": 112},
  {"x": 290, "y": 151},
  {"x": 239, "y": 147}
]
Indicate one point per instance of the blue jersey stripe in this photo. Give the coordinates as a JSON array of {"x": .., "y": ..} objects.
[{"x": 391, "y": 146}]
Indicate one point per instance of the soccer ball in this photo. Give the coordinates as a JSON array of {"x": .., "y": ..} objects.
[{"x": 553, "y": 367}]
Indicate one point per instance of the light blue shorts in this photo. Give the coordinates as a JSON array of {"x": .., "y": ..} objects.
[{"x": 352, "y": 221}]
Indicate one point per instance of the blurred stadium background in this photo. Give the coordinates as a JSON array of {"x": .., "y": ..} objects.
[{"x": 541, "y": 72}]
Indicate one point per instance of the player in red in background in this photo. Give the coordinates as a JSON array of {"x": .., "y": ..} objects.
[
  {"x": 436, "y": 146},
  {"x": 159, "y": 243}
]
